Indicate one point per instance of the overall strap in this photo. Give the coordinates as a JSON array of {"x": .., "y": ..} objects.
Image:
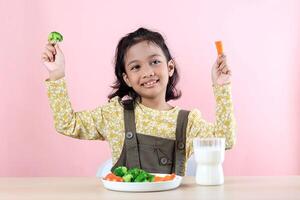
[
  {"x": 180, "y": 143},
  {"x": 132, "y": 151}
]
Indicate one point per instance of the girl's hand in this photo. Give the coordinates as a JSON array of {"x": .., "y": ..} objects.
[
  {"x": 220, "y": 72},
  {"x": 54, "y": 61}
]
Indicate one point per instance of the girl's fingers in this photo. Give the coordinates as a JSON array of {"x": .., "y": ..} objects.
[
  {"x": 51, "y": 49},
  {"x": 50, "y": 55},
  {"x": 221, "y": 66},
  {"x": 45, "y": 58},
  {"x": 57, "y": 48},
  {"x": 224, "y": 70},
  {"x": 221, "y": 58}
]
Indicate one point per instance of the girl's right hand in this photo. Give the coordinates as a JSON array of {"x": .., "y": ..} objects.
[{"x": 54, "y": 61}]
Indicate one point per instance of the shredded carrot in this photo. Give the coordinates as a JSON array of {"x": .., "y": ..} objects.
[{"x": 219, "y": 47}]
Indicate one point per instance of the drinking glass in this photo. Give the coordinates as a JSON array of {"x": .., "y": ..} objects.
[{"x": 209, "y": 156}]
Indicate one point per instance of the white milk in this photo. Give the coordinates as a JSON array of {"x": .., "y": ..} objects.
[{"x": 209, "y": 165}]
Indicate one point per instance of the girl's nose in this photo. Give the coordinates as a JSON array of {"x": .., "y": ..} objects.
[{"x": 148, "y": 72}]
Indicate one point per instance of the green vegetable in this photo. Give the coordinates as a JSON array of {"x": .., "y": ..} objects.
[
  {"x": 142, "y": 177},
  {"x": 151, "y": 178},
  {"x": 133, "y": 175},
  {"x": 134, "y": 172},
  {"x": 55, "y": 37},
  {"x": 128, "y": 178},
  {"x": 120, "y": 171}
]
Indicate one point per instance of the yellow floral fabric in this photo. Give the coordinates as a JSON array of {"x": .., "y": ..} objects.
[{"x": 106, "y": 122}]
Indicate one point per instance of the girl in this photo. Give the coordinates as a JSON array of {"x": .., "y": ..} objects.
[{"x": 142, "y": 128}]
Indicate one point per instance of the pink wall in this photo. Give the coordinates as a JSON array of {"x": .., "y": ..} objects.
[{"x": 261, "y": 39}]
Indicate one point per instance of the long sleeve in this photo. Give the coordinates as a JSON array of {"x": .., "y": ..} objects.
[
  {"x": 224, "y": 125},
  {"x": 89, "y": 125}
]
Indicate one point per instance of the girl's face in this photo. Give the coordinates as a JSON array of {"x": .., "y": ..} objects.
[{"x": 147, "y": 70}]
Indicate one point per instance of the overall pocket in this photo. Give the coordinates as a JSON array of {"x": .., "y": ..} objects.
[{"x": 156, "y": 154}]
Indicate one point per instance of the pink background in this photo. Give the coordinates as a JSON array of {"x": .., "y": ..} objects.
[{"x": 261, "y": 40}]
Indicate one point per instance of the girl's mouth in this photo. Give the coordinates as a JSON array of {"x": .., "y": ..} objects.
[{"x": 150, "y": 83}]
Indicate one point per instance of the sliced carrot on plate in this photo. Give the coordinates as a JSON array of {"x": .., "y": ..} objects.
[
  {"x": 169, "y": 177},
  {"x": 158, "y": 178},
  {"x": 112, "y": 177}
]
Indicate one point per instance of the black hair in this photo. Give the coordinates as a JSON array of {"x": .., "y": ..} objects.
[{"x": 120, "y": 88}]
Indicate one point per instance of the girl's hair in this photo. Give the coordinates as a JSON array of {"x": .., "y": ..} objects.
[{"x": 120, "y": 88}]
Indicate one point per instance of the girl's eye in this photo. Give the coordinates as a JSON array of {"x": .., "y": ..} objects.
[
  {"x": 135, "y": 67},
  {"x": 155, "y": 62}
]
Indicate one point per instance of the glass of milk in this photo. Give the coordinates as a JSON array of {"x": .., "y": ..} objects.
[{"x": 209, "y": 156}]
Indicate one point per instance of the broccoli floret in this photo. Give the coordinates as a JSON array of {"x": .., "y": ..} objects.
[
  {"x": 128, "y": 178},
  {"x": 120, "y": 171},
  {"x": 55, "y": 37},
  {"x": 142, "y": 177},
  {"x": 134, "y": 172},
  {"x": 133, "y": 175},
  {"x": 151, "y": 178}
]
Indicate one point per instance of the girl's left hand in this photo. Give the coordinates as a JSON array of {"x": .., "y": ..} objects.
[{"x": 221, "y": 74}]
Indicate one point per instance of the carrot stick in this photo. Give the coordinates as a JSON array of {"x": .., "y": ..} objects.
[{"x": 219, "y": 47}]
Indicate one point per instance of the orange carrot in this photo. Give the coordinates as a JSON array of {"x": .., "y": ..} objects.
[
  {"x": 158, "y": 179},
  {"x": 219, "y": 47},
  {"x": 112, "y": 177},
  {"x": 168, "y": 177}
]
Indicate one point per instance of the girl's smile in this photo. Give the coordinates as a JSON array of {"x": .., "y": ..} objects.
[{"x": 151, "y": 83}]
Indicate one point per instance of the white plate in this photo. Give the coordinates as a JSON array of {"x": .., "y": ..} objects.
[{"x": 144, "y": 186}]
